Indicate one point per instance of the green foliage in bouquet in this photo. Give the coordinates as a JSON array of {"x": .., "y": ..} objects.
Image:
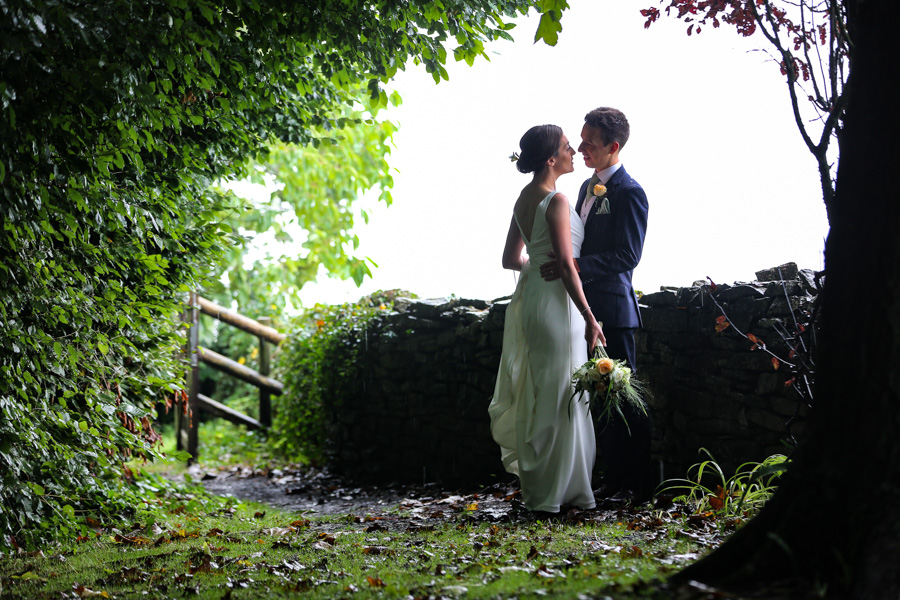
[
  {"x": 607, "y": 385},
  {"x": 319, "y": 364}
]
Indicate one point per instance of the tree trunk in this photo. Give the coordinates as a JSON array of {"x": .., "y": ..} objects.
[{"x": 833, "y": 526}]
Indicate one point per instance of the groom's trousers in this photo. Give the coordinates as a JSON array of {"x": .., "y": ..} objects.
[{"x": 625, "y": 448}]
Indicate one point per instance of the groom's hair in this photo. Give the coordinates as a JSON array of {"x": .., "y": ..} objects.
[
  {"x": 538, "y": 144},
  {"x": 612, "y": 124}
]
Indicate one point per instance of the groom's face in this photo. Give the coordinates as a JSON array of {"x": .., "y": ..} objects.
[{"x": 597, "y": 154}]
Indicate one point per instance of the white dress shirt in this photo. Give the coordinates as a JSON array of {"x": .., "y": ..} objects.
[{"x": 602, "y": 176}]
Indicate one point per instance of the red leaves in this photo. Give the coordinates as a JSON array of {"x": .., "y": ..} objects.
[
  {"x": 722, "y": 324},
  {"x": 127, "y": 422},
  {"x": 717, "y": 501},
  {"x": 775, "y": 363},
  {"x": 150, "y": 434},
  {"x": 758, "y": 344},
  {"x": 652, "y": 15},
  {"x": 699, "y": 13}
]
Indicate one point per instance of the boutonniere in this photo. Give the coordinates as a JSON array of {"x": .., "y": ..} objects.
[{"x": 601, "y": 199}]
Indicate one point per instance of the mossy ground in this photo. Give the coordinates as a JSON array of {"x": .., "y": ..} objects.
[{"x": 429, "y": 544}]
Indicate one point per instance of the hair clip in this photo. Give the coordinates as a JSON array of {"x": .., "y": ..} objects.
[{"x": 514, "y": 157}]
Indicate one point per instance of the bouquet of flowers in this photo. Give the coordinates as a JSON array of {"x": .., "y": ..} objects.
[{"x": 608, "y": 384}]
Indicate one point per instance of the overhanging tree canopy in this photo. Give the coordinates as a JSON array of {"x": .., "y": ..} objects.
[{"x": 115, "y": 118}]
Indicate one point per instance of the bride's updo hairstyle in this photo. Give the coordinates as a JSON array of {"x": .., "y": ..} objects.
[{"x": 538, "y": 144}]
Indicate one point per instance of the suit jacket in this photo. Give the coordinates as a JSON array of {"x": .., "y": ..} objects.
[{"x": 612, "y": 249}]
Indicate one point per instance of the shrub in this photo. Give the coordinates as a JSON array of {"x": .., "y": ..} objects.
[{"x": 319, "y": 366}]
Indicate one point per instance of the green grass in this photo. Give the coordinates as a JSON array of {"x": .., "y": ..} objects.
[
  {"x": 213, "y": 548},
  {"x": 209, "y": 547}
]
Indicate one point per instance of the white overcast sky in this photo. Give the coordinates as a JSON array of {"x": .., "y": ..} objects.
[{"x": 732, "y": 189}]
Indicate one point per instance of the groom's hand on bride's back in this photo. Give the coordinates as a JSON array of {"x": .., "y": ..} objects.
[{"x": 550, "y": 269}]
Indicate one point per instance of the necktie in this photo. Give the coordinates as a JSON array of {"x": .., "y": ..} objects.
[{"x": 588, "y": 203}]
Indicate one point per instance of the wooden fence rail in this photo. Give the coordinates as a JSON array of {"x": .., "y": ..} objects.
[{"x": 186, "y": 421}]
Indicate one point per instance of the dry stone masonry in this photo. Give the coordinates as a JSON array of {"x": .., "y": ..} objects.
[{"x": 431, "y": 364}]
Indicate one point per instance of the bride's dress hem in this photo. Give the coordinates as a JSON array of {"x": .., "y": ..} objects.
[{"x": 556, "y": 509}]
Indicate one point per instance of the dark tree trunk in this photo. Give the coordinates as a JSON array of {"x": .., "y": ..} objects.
[{"x": 834, "y": 523}]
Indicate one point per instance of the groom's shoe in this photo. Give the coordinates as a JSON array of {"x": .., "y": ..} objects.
[
  {"x": 631, "y": 497},
  {"x": 607, "y": 490}
]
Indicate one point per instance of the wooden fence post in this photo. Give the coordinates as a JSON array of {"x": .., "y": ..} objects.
[
  {"x": 265, "y": 396},
  {"x": 193, "y": 378},
  {"x": 181, "y": 406}
]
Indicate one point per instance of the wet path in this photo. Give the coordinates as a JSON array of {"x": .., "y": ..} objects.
[{"x": 318, "y": 493}]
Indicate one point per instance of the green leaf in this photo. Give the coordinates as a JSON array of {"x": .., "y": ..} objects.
[
  {"x": 179, "y": 455},
  {"x": 549, "y": 28}
]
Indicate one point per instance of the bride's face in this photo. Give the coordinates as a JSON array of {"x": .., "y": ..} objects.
[{"x": 565, "y": 156}]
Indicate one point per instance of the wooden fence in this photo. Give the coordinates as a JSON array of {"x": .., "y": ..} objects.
[{"x": 186, "y": 421}]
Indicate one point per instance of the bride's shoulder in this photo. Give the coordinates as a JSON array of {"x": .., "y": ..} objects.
[
  {"x": 557, "y": 204},
  {"x": 559, "y": 198}
]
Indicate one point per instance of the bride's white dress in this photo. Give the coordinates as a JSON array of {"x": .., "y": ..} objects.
[{"x": 544, "y": 439}]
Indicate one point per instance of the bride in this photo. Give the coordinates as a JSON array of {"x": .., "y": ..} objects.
[{"x": 544, "y": 439}]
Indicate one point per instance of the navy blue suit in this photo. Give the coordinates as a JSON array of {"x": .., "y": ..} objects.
[{"x": 612, "y": 248}]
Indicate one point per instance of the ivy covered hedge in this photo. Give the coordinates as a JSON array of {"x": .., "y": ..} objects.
[
  {"x": 319, "y": 366},
  {"x": 106, "y": 223},
  {"x": 116, "y": 119}
]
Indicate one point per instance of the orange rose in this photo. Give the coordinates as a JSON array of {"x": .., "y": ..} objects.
[{"x": 604, "y": 366}]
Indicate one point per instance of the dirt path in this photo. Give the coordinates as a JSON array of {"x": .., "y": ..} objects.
[
  {"x": 397, "y": 507},
  {"x": 308, "y": 490}
]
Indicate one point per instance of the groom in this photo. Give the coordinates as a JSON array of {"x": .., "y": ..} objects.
[{"x": 614, "y": 210}]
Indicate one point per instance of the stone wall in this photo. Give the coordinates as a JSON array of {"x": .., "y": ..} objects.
[
  {"x": 431, "y": 366},
  {"x": 712, "y": 389}
]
